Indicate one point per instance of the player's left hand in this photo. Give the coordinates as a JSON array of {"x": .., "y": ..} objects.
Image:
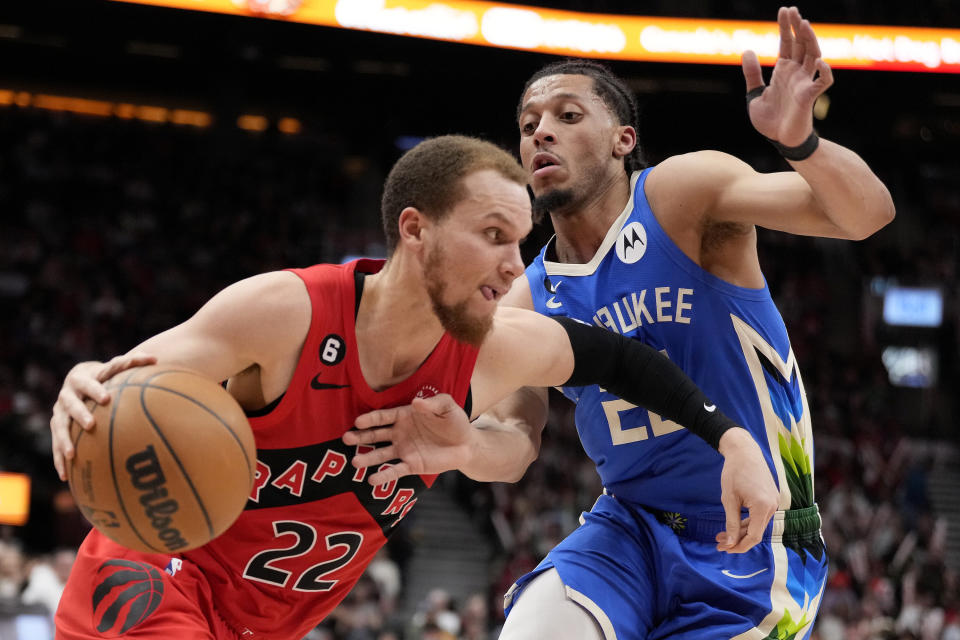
[
  {"x": 784, "y": 110},
  {"x": 430, "y": 435},
  {"x": 745, "y": 483}
]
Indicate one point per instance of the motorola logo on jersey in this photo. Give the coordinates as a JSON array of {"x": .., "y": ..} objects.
[
  {"x": 333, "y": 348},
  {"x": 632, "y": 243},
  {"x": 126, "y": 594}
]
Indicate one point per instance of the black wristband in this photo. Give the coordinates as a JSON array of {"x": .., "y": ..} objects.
[
  {"x": 642, "y": 376},
  {"x": 800, "y": 152}
]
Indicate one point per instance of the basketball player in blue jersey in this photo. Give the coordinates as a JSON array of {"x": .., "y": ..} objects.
[{"x": 668, "y": 255}]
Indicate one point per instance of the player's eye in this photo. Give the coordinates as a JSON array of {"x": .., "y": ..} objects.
[
  {"x": 494, "y": 234},
  {"x": 570, "y": 116},
  {"x": 527, "y": 128}
]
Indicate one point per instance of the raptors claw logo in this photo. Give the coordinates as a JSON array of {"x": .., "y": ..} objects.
[{"x": 126, "y": 594}]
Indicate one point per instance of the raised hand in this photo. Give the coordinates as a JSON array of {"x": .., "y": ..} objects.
[
  {"x": 783, "y": 110},
  {"x": 82, "y": 384},
  {"x": 430, "y": 435}
]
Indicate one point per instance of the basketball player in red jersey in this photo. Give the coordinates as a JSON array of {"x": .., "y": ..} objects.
[{"x": 305, "y": 352}]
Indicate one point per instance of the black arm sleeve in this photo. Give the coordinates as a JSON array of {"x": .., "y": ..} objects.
[{"x": 643, "y": 376}]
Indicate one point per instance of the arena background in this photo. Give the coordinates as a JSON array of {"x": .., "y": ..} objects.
[{"x": 117, "y": 224}]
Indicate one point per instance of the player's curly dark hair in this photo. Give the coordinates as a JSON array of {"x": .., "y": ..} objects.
[
  {"x": 430, "y": 178},
  {"x": 612, "y": 90}
]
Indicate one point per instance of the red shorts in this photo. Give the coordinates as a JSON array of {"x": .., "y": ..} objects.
[{"x": 114, "y": 592}]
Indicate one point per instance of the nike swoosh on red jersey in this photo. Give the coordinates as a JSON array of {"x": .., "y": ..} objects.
[{"x": 316, "y": 384}]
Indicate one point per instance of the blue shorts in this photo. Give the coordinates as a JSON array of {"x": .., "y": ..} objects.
[{"x": 646, "y": 575}]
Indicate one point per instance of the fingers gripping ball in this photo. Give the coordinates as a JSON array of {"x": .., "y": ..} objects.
[{"x": 169, "y": 464}]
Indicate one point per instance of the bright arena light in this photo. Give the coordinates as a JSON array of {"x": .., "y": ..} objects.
[{"x": 604, "y": 35}]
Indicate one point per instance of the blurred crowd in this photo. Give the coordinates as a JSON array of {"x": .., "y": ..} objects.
[{"x": 114, "y": 230}]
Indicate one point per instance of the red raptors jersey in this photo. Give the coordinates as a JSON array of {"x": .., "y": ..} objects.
[{"x": 313, "y": 523}]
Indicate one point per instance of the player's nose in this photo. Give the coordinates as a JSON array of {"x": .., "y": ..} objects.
[
  {"x": 512, "y": 264},
  {"x": 546, "y": 132}
]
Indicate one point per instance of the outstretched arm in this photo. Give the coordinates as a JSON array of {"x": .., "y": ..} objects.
[
  {"x": 848, "y": 192},
  {"x": 433, "y": 435},
  {"x": 581, "y": 354},
  {"x": 527, "y": 349},
  {"x": 832, "y": 192},
  {"x": 262, "y": 320}
]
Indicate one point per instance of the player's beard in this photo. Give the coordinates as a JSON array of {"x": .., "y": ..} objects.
[
  {"x": 569, "y": 201},
  {"x": 454, "y": 317},
  {"x": 554, "y": 201}
]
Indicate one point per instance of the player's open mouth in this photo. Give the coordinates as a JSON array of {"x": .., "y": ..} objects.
[
  {"x": 489, "y": 292},
  {"x": 544, "y": 163}
]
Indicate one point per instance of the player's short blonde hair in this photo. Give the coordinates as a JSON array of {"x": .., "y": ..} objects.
[{"x": 430, "y": 177}]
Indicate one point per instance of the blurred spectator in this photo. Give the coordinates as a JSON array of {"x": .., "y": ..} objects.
[
  {"x": 47, "y": 579},
  {"x": 475, "y": 618},
  {"x": 435, "y": 616},
  {"x": 12, "y": 572},
  {"x": 386, "y": 574}
]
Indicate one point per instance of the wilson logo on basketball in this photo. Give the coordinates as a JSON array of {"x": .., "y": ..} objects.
[
  {"x": 146, "y": 475},
  {"x": 126, "y": 594}
]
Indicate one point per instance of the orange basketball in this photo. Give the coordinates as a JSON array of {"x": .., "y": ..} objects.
[{"x": 169, "y": 464}]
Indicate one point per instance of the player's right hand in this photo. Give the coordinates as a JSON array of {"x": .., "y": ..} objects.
[
  {"x": 84, "y": 382},
  {"x": 783, "y": 110},
  {"x": 430, "y": 435},
  {"x": 746, "y": 483}
]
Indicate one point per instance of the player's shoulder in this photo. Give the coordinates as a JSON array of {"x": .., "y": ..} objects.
[
  {"x": 273, "y": 287},
  {"x": 276, "y": 302},
  {"x": 687, "y": 184},
  {"x": 688, "y": 168}
]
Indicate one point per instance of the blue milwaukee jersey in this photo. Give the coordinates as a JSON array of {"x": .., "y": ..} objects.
[{"x": 730, "y": 340}]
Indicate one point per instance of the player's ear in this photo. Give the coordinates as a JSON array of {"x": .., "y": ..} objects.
[
  {"x": 625, "y": 142},
  {"x": 411, "y": 225}
]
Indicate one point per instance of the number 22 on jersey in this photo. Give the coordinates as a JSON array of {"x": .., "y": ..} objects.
[{"x": 619, "y": 435}]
